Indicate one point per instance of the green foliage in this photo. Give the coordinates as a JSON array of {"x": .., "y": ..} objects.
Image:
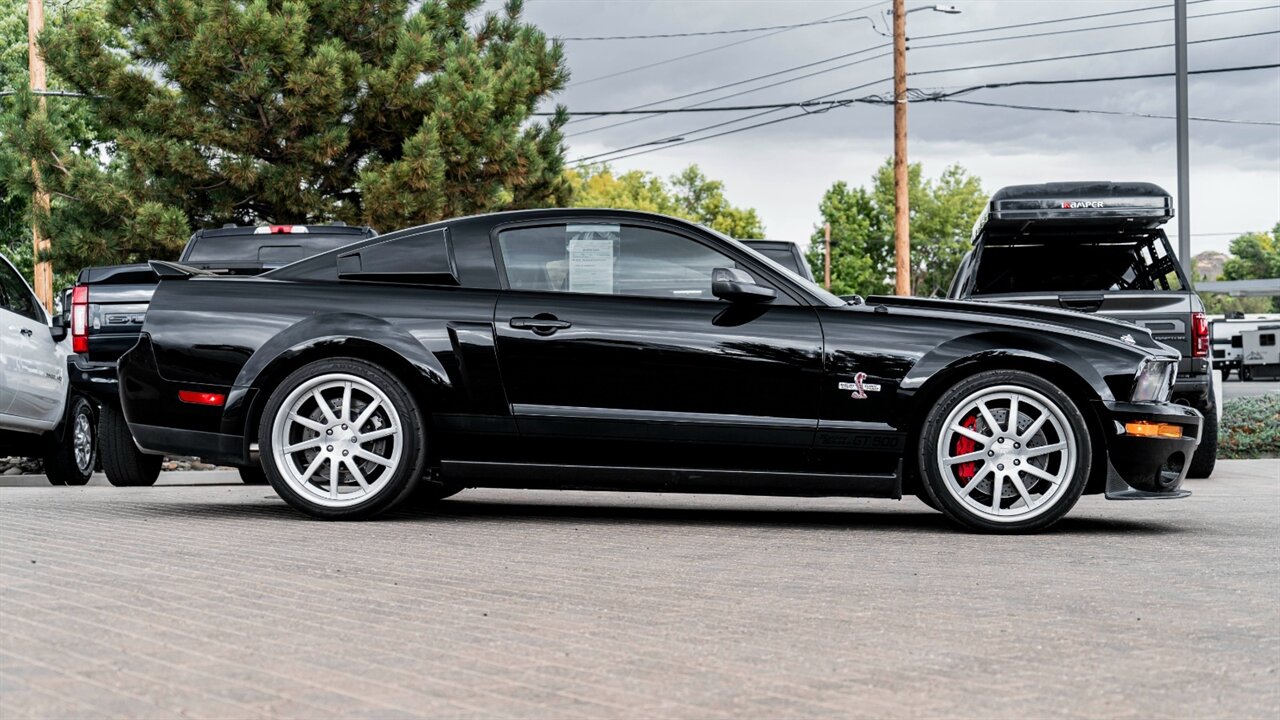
[
  {"x": 689, "y": 194},
  {"x": 1220, "y": 304},
  {"x": 1255, "y": 255},
  {"x": 1250, "y": 427},
  {"x": 862, "y": 250},
  {"x": 389, "y": 113}
]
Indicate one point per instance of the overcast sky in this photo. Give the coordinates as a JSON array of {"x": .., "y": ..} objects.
[{"x": 783, "y": 169}]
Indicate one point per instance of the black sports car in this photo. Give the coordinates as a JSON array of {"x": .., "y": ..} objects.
[{"x": 615, "y": 350}]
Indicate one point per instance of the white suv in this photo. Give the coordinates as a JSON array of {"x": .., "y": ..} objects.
[{"x": 39, "y": 414}]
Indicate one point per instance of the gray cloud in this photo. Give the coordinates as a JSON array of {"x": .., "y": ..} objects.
[{"x": 968, "y": 133}]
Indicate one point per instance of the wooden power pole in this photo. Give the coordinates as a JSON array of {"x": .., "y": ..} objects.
[
  {"x": 826, "y": 231},
  {"x": 901, "y": 182},
  {"x": 40, "y": 200}
]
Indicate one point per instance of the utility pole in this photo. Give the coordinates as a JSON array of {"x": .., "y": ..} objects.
[
  {"x": 40, "y": 199},
  {"x": 826, "y": 230},
  {"x": 901, "y": 202},
  {"x": 1184, "y": 160}
]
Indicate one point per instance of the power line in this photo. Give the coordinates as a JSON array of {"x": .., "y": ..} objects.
[
  {"x": 1049, "y": 22},
  {"x": 1086, "y": 29},
  {"x": 877, "y": 100},
  {"x": 1102, "y": 112},
  {"x": 585, "y": 117},
  {"x": 705, "y": 51},
  {"x": 705, "y": 33},
  {"x": 699, "y": 107}
]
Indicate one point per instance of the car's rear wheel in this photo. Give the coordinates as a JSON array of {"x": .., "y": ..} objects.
[
  {"x": 71, "y": 461},
  {"x": 1004, "y": 451},
  {"x": 122, "y": 461},
  {"x": 342, "y": 439}
]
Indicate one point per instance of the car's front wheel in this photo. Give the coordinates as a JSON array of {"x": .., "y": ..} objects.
[
  {"x": 1004, "y": 451},
  {"x": 71, "y": 461},
  {"x": 342, "y": 439}
]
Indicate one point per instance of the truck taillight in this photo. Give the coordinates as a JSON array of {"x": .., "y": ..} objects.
[
  {"x": 1199, "y": 335},
  {"x": 80, "y": 319}
]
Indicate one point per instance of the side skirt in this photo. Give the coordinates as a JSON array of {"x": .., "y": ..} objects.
[{"x": 684, "y": 480}]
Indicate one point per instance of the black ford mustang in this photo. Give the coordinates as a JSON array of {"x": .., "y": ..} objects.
[{"x": 616, "y": 350}]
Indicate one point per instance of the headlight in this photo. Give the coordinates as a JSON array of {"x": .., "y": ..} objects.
[{"x": 1154, "y": 381}]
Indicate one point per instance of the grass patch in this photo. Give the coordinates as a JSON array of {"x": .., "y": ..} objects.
[{"x": 1250, "y": 428}]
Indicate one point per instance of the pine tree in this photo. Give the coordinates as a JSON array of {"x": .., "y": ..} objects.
[{"x": 387, "y": 112}]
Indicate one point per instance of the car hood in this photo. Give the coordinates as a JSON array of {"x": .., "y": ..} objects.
[{"x": 1116, "y": 332}]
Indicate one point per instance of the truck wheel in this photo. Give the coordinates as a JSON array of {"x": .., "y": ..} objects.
[
  {"x": 122, "y": 461},
  {"x": 1004, "y": 451},
  {"x": 253, "y": 475},
  {"x": 1207, "y": 453},
  {"x": 343, "y": 439},
  {"x": 71, "y": 461}
]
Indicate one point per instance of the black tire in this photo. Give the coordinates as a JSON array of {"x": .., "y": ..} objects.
[
  {"x": 1206, "y": 456},
  {"x": 924, "y": 498},
  {"x": 1060, "y": 501},
  {"x": 429, "y": 493},
  {"x": 401, "y": 480},
  {"x": 253, "y": 475},
  {"x": 61, "y": 464},
  {"x": 122, "y": 461}
]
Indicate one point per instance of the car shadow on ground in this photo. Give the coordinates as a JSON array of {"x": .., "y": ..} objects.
[{"x": 463, "y": 510}]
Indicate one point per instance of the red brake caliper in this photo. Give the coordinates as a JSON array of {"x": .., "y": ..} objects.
[{"x": 964, "y": 446}]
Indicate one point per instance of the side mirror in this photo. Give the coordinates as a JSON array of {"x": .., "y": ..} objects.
[
  {"x": 737, "y": 286},
  {"x": 58, "y": 329}
]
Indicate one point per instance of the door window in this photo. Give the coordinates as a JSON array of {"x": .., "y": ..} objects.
[
  {"x": 1268, "y": 340},
  {"x": 608, "y": 259},
  {"x": 14, "y": 295}
]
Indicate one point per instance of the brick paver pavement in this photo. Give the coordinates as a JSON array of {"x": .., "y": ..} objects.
[{"x": 218, "y": 601}]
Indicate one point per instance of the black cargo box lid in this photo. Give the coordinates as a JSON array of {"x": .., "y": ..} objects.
[{"x": 1090, "y": 206}]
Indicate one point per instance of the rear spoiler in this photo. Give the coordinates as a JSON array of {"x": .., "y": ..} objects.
[{"x": 173, "y": 271}]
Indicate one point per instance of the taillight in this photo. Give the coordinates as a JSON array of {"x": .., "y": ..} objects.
[
  {"x": 80, "y": 319},
  {"x": 195, "y": 397},
  {"x": 1199, "y": 335}
]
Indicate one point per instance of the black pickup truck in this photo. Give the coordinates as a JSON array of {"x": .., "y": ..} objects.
[
  {"x": 1097, "y": 247},
  {"x": 108, "y": 306}
]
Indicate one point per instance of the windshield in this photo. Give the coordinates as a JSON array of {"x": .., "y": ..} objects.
[
  {"x": 267, "y": 250},
  {"x": 1068, "y": 265}
]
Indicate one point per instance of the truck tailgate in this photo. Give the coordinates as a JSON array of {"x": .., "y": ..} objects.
[{"x": 1166, "y": 314}]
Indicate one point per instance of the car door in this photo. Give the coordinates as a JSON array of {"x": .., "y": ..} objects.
[
  {"x": 612, "y": 347},
  {"x": 33, "y": 368}
]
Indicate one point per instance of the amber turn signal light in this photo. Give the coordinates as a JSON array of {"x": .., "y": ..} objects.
[
  {"x": 1142, "y": 428},
  {"x": 201, "y": 398}
]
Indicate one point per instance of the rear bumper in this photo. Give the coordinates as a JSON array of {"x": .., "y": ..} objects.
[
  {"x": 1149, "y": 468},
  {"x": 162, "y": 424},
  {"x": 97, "y": 380}
]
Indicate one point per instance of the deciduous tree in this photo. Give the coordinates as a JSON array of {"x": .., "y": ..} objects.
[{"x": 689, "y": 194}]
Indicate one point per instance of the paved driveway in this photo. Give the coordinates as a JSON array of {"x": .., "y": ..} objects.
[
  {"x": 216, "y": 600},
  {"x": 1253, "y": 388}
]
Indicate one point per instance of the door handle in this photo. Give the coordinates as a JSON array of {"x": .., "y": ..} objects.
[
  {"x": 26, "y": 331},
  {"x": 542, "y": 324}
]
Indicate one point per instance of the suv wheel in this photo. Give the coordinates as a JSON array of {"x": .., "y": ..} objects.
[
  {"x": 122, "y": 461},
  {"x": 342, "y": 439},
  {"x": 71, "y": 461},
  {"x": 1004, "y": 451},
  {"x": 1206, "y": 455}
]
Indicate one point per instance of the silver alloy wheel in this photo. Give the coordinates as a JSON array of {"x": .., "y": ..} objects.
[
  {"x": 337, "y": 440},
  {"x": 82, "y": 442},
  {"x": 1006, "y": 453}
]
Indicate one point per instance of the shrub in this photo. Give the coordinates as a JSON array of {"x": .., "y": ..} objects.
[{"x": 1250, "y": 428}]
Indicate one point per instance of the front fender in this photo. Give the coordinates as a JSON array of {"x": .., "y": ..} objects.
[{"x": 971, "y": 353}]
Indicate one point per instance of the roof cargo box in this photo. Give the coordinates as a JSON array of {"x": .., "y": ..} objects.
[{"x": 1100, "y": 206}]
